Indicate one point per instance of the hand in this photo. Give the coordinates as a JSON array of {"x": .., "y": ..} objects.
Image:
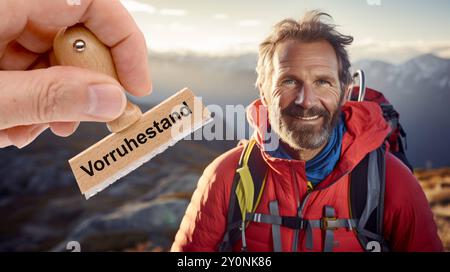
[{"x": 35, "y": 96}]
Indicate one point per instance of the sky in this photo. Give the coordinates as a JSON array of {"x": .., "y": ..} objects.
[{"x": 390, "y": 30}]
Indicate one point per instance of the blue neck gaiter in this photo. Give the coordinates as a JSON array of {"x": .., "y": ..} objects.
[{"x": 319, "y": 167}]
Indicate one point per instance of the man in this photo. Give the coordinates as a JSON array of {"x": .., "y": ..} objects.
[{"x": 304, "y": 79}]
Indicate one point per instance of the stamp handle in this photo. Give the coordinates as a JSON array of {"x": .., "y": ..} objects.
[{"x": 77, "y": 46}]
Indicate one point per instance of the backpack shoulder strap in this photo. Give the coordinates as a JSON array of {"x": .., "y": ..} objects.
[
  {"x": 367, "y": 188},
  {"x": 248, "y": 185}
]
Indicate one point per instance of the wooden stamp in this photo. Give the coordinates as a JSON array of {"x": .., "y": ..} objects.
[{"x": 136, "y": 137}]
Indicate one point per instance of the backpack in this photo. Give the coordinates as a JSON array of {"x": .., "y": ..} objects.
[
  {"x": 367, "y": 186},
  {"x": 390, "y": 115}
]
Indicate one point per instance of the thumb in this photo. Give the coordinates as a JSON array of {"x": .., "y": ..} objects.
[{"x": 58, "y": 94}]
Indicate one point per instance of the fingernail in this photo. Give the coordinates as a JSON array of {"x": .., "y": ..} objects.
[
  {"x": 106, "y": 101},
  {"x": 31, "y": 136},
  {"x": 4, "y": 139}
]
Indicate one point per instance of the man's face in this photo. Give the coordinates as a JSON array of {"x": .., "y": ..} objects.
[{"x": 304, "y": 98}]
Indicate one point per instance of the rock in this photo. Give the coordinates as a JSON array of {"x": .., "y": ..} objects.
[
  {"x": 138, "y": 182},
  {"x": 156, "y": 220},
  {"x": 35, "y": 173},
  {"x": 174, "y": 184}
]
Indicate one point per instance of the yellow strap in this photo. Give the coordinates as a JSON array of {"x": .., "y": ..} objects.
[
  {"x": 260, "y": 192},
  {"x": 245, "y": 190},
  {"x": 251, "y": 143}
]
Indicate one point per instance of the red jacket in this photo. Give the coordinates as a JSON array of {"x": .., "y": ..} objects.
[{"x": 408, "y": 221}]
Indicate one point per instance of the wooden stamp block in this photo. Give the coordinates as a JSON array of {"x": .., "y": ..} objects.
[{"x": 121, "y": 152}]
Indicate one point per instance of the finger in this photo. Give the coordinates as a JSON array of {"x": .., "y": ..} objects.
[
  {"x": 64, "y": 129},
  {"x": 43, "y": 61},
  {"x": 113, "y": 25},
  {"x": 16, "y": 57},
  {"x": 37, "y": 38},
  {"x": 21, "y": 136},
  {"x": 34, "y": 42},
  {"x": 127, "y": 43},
  {"x": 58, "y": 94}
]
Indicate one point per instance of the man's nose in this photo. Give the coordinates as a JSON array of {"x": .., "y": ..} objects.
[{"x": 306, "y": 97}]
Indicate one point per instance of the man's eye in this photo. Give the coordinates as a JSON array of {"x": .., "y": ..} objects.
[
  {"x": 289, "y": 82},
  {"x": 323, "y": 82}
]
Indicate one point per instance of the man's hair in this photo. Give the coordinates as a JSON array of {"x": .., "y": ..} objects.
[{"x": 310, "y": 28}]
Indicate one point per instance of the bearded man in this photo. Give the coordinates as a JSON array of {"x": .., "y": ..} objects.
[{"x": 304, "y": 79}]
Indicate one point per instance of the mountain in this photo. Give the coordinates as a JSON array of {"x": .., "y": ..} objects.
[
  {"x": 420, "y": 91},
  {"x": 44, "y": 209},
  {"x": 222, "y": 80}
]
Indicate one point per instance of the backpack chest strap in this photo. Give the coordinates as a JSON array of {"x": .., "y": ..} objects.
[
  {"x": 295, "y": 222},
  {"x": 329, "y": 223}
]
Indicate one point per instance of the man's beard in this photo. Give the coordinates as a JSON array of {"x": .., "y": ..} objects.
[{"x": 298, "y": 135}]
